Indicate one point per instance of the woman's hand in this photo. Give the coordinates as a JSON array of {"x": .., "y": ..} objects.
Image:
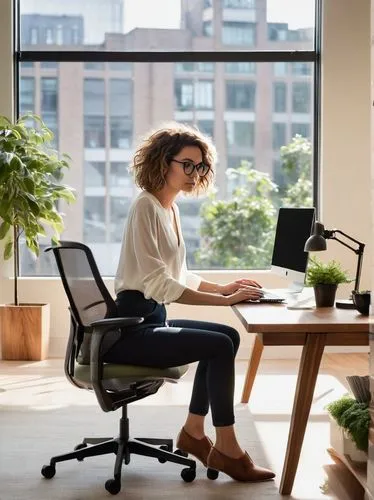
[
  {"x": 233, "y": 287},
  {"x": 244, "y": 293}
]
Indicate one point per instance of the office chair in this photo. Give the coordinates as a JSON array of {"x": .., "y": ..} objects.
[{"x": 93, "y": 314}]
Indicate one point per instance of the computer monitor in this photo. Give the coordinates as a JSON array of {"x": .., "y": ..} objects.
[{"x": 289, "y": 259}]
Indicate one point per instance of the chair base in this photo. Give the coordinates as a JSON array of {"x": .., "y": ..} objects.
[{"x": 123, "y": 447}]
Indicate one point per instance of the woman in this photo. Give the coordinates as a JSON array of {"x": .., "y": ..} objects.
[{"x": 152, "y": 272}]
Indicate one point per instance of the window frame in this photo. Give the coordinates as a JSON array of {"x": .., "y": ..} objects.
[{"x": 233, "y": 55}]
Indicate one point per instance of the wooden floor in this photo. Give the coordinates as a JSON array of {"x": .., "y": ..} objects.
[{"x": 270, "y": 407}]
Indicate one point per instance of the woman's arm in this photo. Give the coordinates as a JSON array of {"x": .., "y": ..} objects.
[
  {"x": 199, "y": 298},
  {"x": 210, "y": 287}
]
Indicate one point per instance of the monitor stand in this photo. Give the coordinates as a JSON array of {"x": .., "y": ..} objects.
[{"x": 295, "y": 287}]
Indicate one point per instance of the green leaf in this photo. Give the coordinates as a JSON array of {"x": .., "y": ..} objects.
[
  {"x": 4, "y": 228},
  {"x": 8, "y": 250}
]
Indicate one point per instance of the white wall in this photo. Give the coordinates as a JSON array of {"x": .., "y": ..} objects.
[{"x": 345, "y": 166}]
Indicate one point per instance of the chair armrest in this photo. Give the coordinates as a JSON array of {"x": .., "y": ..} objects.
[
  {"x": 116, "y": 322},
  {"x": 99, "y": 329}
]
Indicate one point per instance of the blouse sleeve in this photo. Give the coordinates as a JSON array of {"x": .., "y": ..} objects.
[
  {"x": 157, "y": 282},
  {"x": 193, "y": 280}
]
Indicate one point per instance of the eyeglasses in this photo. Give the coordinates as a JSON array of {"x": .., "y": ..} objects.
[{"x": 189, "y": 167}]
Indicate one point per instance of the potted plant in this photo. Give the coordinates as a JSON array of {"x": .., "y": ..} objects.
[
  {"x": 30, "y": 187},
  {"x": 349, "y": 427},
  {"x": 325, "y": 278}
]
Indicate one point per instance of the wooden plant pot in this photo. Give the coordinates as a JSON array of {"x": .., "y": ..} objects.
[{"x": 24, "y": 331}]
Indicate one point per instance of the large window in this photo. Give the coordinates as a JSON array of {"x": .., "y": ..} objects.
[{"x": 100, "y": 108}]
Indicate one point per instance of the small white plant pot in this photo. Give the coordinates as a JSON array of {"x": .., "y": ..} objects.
[
  {"x": 343, "y": 444},
  {"x": 350, "y": 449}
]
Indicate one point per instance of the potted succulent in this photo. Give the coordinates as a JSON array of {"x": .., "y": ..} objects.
[
  {"x": 30, "y": 187},
  {"x": 325, "y": 278}
]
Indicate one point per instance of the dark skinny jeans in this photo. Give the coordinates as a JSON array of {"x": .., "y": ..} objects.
[{"x": 160, "y": 343}]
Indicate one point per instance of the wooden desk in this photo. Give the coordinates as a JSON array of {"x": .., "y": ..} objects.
[{"x": 313, "y": 329}]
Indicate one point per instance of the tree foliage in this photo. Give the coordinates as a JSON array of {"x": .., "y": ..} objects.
[{"x": 238, "y": 233}]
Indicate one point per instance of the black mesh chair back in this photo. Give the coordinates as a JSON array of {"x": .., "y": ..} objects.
[{"x": 89, "y": 299}]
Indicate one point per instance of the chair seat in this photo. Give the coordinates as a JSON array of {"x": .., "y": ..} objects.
[{"x": 131, "y": 373}]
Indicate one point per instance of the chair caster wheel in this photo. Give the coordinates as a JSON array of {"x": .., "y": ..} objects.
[
  {"x": 166, "y": 448},
  {"x": 188, "y": 475},
  {"x": 80, "y": 446},
  {"x": 48, "y": 471},
  {"x": 181, "y": 453},
  {"x": 113, "y": 486},
  {"x": 212, "y": 474}
]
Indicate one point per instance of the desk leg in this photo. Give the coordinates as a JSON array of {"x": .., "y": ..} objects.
[
  {"x": 306, "y": 381},
  {"x": 252, "y": 368}
]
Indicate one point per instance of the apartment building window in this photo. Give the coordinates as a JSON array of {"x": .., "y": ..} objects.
[
  {"x": 94, "y": 132},
  {"x": 59, "y": 34},
  {"x": 120, "y": 132},
  {"x": 302, "y": 129},
  {"x": 239, "y": 4},
  {"x": 49, "y": 105},
  {"x": 94, "y": 219},
  {"x": 239, "y": 33},
  {"x": 279, "y": 97},
  {"x": 280, "y": 68},
  {"x": 119, "y": 176},
  {"x": 301, "y": 68},
  {"x": 27, "y": 95},
  {"x": 94, "y": 174},
  {"x": 183, "y": 94},
  {"x": 240, "y": 95},
  {"x": 240, "y": 134},
  {"x": 49, "y": 64},
  {"x": 241, "y": 67},
  {"x": 94, "y": 66},
  {"x": 277, "y": 32},
  {"x": 206, "y": 127},
  {"x": 301, "y": 97},
  {"x": 119, "y": 209},
  {"x": 279, "y": 135},
  {"x": 49, "y": 95},
  {"x": 203, "y": 95},
  {"x": 34, "y": 36},
  {"x": 94, "y": 113},
  {"x": 208, "y": 28},
  {"x": 189, "y": 67},
  {"x": 49, "y": 39}
]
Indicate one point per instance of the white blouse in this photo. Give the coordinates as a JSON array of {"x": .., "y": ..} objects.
[{"x": 151, "y": 260}]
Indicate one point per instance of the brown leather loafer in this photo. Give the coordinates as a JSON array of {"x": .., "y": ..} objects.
[
  {"x": 240, "y": 469},
  {"x": 199, "y": 448}
]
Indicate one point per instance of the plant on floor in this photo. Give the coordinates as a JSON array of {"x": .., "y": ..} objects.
[
  {"x": 30, "y": 186},
  {"x": 353, "y": 417}
]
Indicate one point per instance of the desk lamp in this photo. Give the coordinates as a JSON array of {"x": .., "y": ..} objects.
[{"x": 317, "y": 242}]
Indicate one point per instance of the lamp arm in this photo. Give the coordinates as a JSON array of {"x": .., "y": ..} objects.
[
  {"x": 358, "y": 251},
  {"x": 344, "y": 243},
  {"x": 346, "y": 235}
]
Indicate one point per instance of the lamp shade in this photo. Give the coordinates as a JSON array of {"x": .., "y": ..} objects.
[{"x": 316, "y": 242}]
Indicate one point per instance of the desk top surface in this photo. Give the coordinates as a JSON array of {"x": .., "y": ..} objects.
[{"x": 263, "y": 318}]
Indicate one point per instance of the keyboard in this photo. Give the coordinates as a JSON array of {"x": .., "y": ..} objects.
[{"x": 269, "y": 298}]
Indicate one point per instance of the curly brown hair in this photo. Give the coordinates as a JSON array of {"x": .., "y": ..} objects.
[{"x": 158, "y": 148}]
